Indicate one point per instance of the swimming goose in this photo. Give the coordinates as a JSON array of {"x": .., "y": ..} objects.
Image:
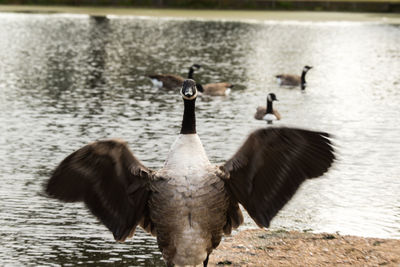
[
  {"x": 190, "y": 203},
  {"x": 294, "y": 80},
  {"x": 268, "y": 113},
  {"x": 171, "y": 81},
  {"x": 212, "y": 89}
]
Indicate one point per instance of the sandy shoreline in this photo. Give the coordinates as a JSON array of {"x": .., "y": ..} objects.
[
  {"x": 235, "y": 15},
  {"x": 281, "y": 248}
]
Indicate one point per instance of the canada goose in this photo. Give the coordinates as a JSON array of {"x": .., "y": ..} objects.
[
  {"x": 294, "y": 80},
  {"x": 189, "y": 203},
  {"x": 171, "y": 81},
  {"x": 268, "y": 113},
  {"x": 212, "y": 89}
]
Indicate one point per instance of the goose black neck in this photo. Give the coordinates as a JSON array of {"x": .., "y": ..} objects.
[
  {"x": 303, "y": 79},
  {"x": 189, "y": 117},
  {"x": 191, "y": 71},
  {"x": 269, "y": 107}
]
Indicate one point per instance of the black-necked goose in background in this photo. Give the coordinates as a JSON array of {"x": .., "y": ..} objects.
[
  {"x": 171, "y": 81},
  {"x": 294, "y": 80},
  {"x": 268, "y": 113},
  {"x": 190, "y": 203}
]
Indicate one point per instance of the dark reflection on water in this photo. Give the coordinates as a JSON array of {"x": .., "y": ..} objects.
[{"x": 69, "y": 80}]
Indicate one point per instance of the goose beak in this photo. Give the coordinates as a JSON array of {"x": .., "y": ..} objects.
[{"x": 188, "y": 91}]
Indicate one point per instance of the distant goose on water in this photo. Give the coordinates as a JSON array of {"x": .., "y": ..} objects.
[
  {"x": 294, "y": 80},
  {"x": 171, "y": 81},
  {"x": 216, "y": 89},
  {"x": 268, "y": 113},
  {"x": 213, "y": 89},
  {"x": 190, "y": 203}
]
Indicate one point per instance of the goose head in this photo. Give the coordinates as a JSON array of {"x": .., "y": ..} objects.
[
  {"x": 189, "y": 90},
  {"x": 196, "y": 66},
  {"x": 192, "y": 69},
  {"x": 271, "y": 97},
  {"x": 190, "y": 76},
  {"x": 307, "y": 68},
  {"x": 303, "y": 84}
]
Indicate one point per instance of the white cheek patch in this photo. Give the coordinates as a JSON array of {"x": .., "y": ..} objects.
[
  {"x": 189, "y": 97},
  {"x": 269, "y": 98},
  {"x": 279, "y": 80}
]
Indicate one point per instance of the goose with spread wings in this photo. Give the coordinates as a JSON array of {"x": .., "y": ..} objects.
[{"x": 189, "y": 204}]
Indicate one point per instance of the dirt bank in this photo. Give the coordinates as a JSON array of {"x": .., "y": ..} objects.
[{"x": 281, "y": 248}]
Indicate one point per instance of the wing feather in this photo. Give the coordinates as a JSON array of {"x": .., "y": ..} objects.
[
  {"x": 271, "y": 165},
  {"x": 107, "y": 177}
]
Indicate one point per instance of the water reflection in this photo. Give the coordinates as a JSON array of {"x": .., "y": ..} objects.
[
  {"x": 98, "y": 38},
  {"x": 69, "y": 80}
]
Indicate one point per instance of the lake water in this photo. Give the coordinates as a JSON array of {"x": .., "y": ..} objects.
[{"x": 66, "y": 80}]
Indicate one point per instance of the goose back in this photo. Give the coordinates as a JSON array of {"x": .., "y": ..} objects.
[
  {"x": 289, "y": 79},
  {"x": 217, "y": 89},
  {"x": 168, "y": 81},
  {"x": 260, "y": 112}
]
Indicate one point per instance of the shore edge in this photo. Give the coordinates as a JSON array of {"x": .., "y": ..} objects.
[
  {"x": 261, "y": 247},
  {"x": 234, "y": 15}
]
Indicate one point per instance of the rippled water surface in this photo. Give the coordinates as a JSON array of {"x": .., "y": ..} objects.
[{"x": 68, "y": 80}]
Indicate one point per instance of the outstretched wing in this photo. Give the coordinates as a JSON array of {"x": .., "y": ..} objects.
[
  {"x": 267, "y": 170},
  {"x": 110, "y": 180}
]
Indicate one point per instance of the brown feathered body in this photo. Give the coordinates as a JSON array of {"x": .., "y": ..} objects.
[
  {"x": 289, "y": 79},
  {"x": 167, "y": 81},
  {"x": 189, "y": 218},
  {"x": 217, "y": 89},
  {"x": 261, "y": 111},
  {"x": 190, "y": 207}
]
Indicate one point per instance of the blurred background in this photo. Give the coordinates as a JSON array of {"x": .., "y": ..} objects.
[
  {"x": 316, "y": 5},
  {"x": 70, "y": 75}
]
